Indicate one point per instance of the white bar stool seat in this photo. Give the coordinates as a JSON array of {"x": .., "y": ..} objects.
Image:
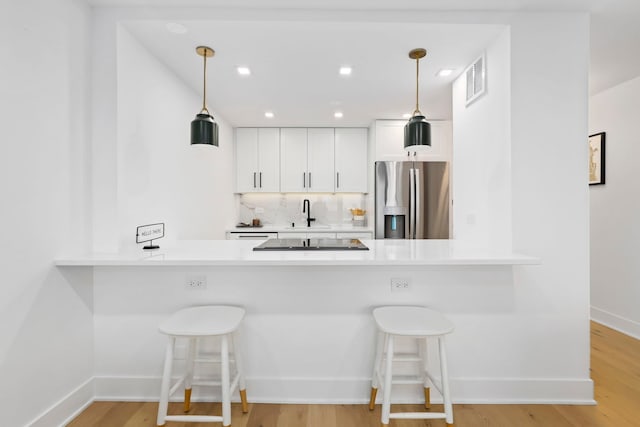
[
  {"x": 415, "y": 322},
  {"x": 193, "y": 324}
]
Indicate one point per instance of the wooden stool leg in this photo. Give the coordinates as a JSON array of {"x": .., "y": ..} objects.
[
  {"x": 386, "y": 388},
  {"x": 425, "y": 368},
  {"x": 376, "y": 370},
  {"x": 226, "y": 391},
  {"x": 166, "y": 382},
  {"x": 372, "y": 398},
  {"x": 242, "y": 386},
  {"x": 446, "y": 393},
  {"x": 188, "y": 377}
]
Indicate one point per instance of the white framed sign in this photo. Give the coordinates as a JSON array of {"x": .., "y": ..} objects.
[{"x": 149, "y": 233}]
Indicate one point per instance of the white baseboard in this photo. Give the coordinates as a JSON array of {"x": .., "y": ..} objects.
[
  {"x": 356, "y": 390},
  {"x": 619, "y": 323},
  {"x": 67, "y": 408}
]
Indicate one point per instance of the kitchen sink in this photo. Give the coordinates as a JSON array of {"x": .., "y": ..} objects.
[{"x": 311, "y": 245}]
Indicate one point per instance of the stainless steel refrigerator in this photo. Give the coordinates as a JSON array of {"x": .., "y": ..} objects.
[{"x": 412, "y": 200}]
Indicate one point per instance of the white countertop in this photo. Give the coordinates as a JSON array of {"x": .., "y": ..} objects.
[
  {"x": 302, "y": 228},
  {"x": 240, "y": 253}
]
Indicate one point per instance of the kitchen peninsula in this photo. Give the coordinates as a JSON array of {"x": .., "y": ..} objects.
[{"x": 308, "y": 333}]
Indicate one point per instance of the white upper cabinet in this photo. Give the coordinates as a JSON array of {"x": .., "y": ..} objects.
[
  {"x": 351, "y": 160},
  {"x": 320, "y": 159},
  {"x": 293, "y": 159},
  {"x": 389, "y": 141},
  {"x": 301, "y": 160},
  {"x": 257, "y": 160},
  {"x": 306, "y": 159}
]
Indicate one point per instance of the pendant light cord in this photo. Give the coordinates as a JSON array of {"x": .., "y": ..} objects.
[
  {"x": 204, "y": 92},
  {"x": 417, "y": 110}
]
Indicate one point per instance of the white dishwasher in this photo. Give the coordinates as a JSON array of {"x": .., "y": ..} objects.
[{"x": 251, "y": 235}]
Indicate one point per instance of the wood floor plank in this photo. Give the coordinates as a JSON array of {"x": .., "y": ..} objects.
[
  {"x": 93, "y": 414},
  {"x": 322, "y": 415},
  {"x": 615, "y": 370}
]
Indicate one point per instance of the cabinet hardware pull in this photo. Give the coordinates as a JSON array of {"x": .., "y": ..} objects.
[
  {"x": 260, "y": 179},
  {"x": 309, "y": 179},
  {"x": 304, "y": 180},
  {"x": 337, "y": 179},
  {"x": 254, "y": 180}
]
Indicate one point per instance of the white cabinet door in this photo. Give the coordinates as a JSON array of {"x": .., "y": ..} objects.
[
  {"x": 238, "y": 235},
  {"x": 320, "y": 160},
  {"x": 355, "y": 235},
  {"x": 351, "y": 160},
  {"x": 389, "y": 141},
  {"x": 306, "y": 160},
  {"x": 257, "y": 160},
  {"x": 246, "y": 160},
  {"x": 293, "y": 160},
  {"x": 268, "y": 159}
]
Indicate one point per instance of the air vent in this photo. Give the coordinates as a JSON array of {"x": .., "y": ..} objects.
[{"x": 476, "y": 80}]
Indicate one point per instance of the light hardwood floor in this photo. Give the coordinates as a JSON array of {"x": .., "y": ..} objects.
[{"x": 615, "y": 369}]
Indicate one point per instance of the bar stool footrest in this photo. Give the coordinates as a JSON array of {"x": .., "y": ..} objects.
[
  {"x": 418, "y": 415},
  {"x": 194, "y": 418}
]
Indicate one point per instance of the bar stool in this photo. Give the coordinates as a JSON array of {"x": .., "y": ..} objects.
[
  {"x": 415, "y": 322},
  {"x": 195, "y": 324}
]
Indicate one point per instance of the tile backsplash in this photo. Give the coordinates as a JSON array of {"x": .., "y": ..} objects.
[{"x": 283, "y": 209}]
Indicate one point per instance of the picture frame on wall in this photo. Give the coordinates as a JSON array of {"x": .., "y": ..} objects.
[{"x": 597, "y": 158}]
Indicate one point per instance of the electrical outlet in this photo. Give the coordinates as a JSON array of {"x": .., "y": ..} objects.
[
  {"x": 196, "y": 282},
  {"x": 259, "y": 210},
  {"x": 400, "y": 284}
]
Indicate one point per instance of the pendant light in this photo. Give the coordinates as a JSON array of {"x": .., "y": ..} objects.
[
  {"x": 417, "y": 131},
  {"x": 204, "y": 130}
]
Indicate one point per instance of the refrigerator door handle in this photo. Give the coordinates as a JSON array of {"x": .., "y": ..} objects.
[
  {"x": 412, "y": 203},
  {"x": 417, "y": 211}
]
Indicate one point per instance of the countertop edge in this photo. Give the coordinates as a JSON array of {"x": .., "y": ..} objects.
[
  {"x": 290, "y": 263},
  {"x": 240, "y": 253}
]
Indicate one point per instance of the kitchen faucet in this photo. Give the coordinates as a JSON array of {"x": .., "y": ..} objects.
[{"x": 306, "y": 207}]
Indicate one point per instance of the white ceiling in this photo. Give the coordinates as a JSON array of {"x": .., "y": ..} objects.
[{"x": 295, "y": 63}]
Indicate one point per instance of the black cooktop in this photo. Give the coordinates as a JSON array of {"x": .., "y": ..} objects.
[{"x": 311, "y": 245}]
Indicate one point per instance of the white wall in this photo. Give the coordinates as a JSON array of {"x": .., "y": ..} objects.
[
  {"x": 481, "y": 169},
  {"x": 615, "y": 208},
  {"x": 161, "y": 177},
  {"x": 550, "y": 201},
  {"x": 526, "y": 149},
  {"x": 543, "y": 328},
  {"x": 46, "y": 322},
  {"x": 308, "y": 334},
  {"x": 46, "y": 206}
]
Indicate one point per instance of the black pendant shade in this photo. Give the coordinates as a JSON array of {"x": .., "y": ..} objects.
[
  {"x": 204, "y": 130},
  {"x": 417, "y": 132}
]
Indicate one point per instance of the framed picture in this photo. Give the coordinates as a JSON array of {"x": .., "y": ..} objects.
[{"x": 596, "y": 158}]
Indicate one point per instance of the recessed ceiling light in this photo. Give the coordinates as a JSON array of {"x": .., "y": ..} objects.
[
  {"x": 345, "y": 71},
  {"x": 337, "y": 114},
  {"x": 406, "y": 115},
  {"x": 445, "y": 72},
  {"x": 176, "y": 28},
  {"x": 244, "y": 71},
  {"x": 268, "y": 115}
]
